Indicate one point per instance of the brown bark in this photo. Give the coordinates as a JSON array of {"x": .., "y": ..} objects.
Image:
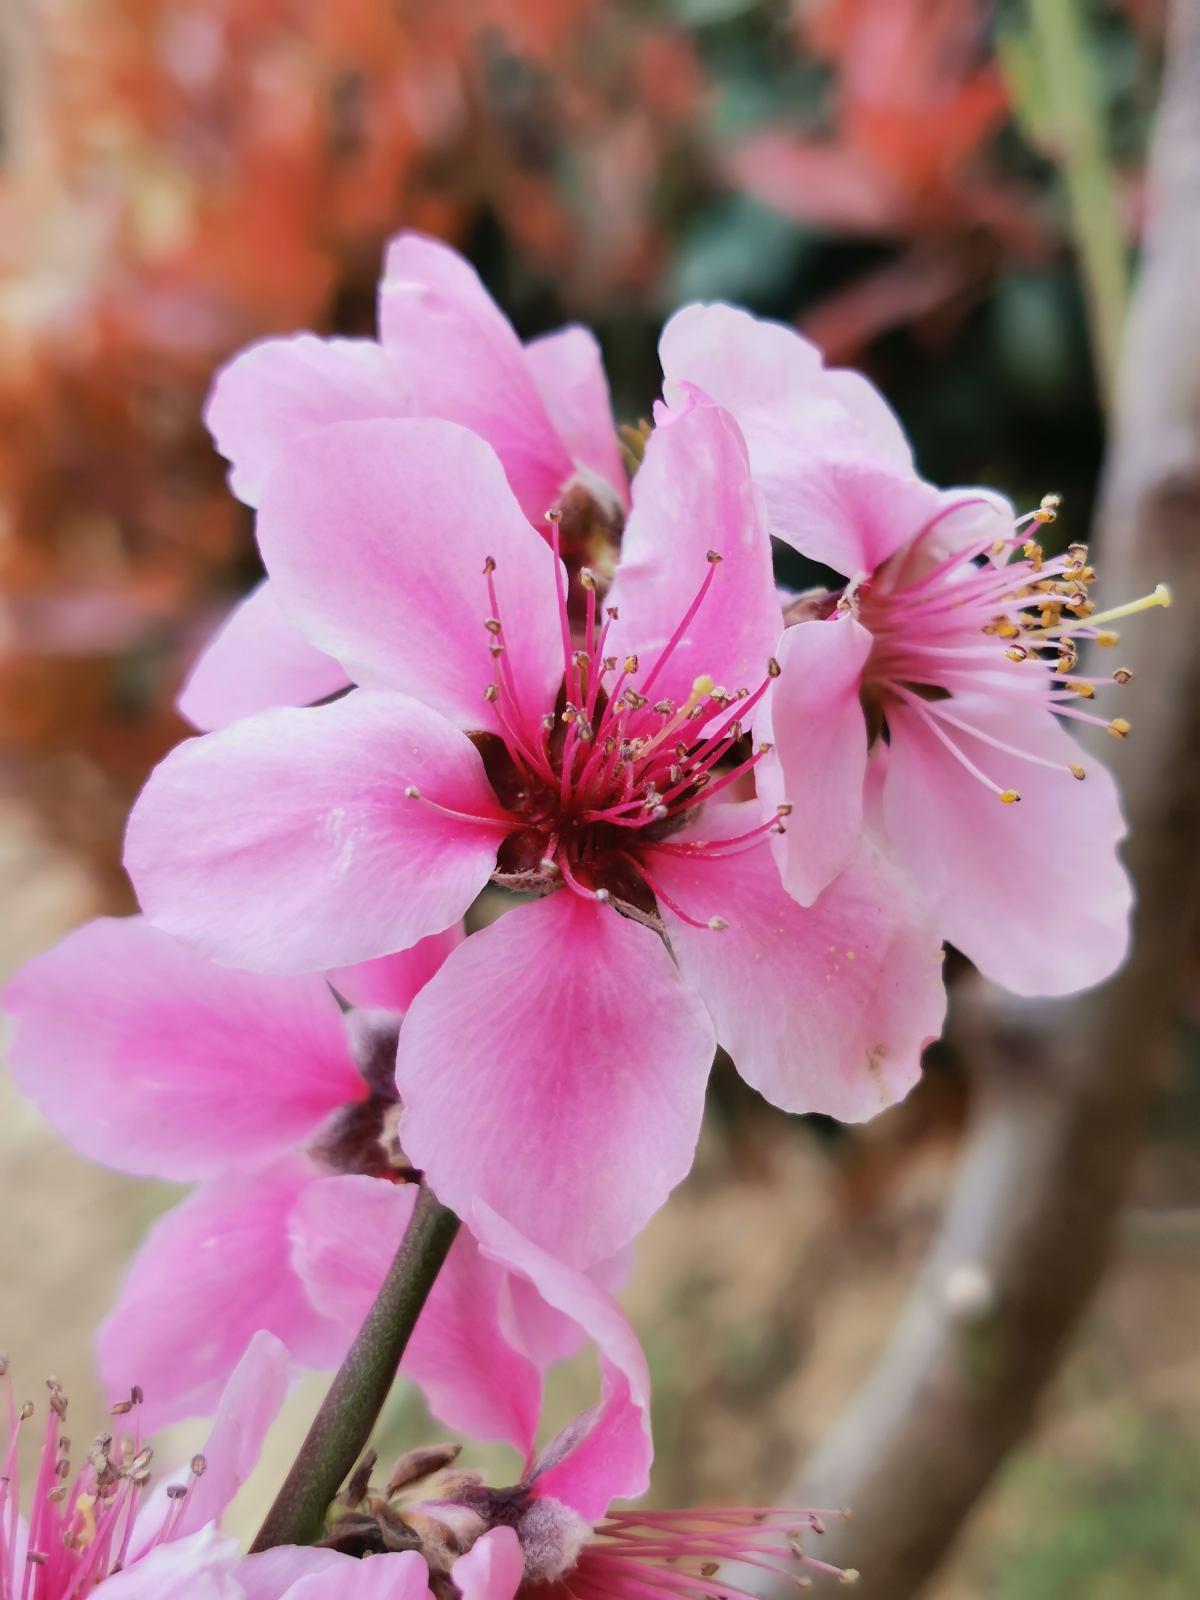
[{"x": 1061, "y": 1087}]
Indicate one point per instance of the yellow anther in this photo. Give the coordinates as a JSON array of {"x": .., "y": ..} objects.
[
  {"x": 1076, "y": 770},
  {"x": 1106, "y": 639},
  {"x": 1083, "y": 690},
  {"x": 1017, "y": 652},
  {"x": 1118, "y": 727},
  {"x": 702, "y": 687},
  {"x": 1009, "y": 796},
  {"x": 631, "y": 664}
]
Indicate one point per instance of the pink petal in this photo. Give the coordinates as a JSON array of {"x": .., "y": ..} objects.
[
  {"x": 248, "y": 1406},
  {"x": 568, "y": 370},
  {"x": 825, "y": 1008},
  {"x": 200, "y": 1568},
  {"x": 255, "y": 661},
  {"x": 463, "y": 362},
  {"x": 555, "y": 1068},
  {"x": 492, "y": 1568},
  {"x": 210, "y": 1274},
  {"x": 151, "y": 1059},
  {"x": 345, "y": 1232},
  {"x": 376, "y": 534},
  {"x": 543, "y": 1333},
  {"x": 606, "y": 1453},
  {"x": 271, "y": 1574},
  {"x": 274, "y": 392},
  {"x": 286, "y": 842},
  {"x": 1035, "y": 892},
  {"x": 692, "y": 495},
  {"x": 395, "y": 1575},
  {"x": 825, "y": 448},
  {"x": 389, "y": 983},
  {"x": 814, "y": 719}
]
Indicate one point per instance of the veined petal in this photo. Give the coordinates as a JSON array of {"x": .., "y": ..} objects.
[
  {"x": 255, "y": 661},
  {"x": 462, "y": 361},
  {"x": 287, "y": 842},
  {"x": 693, "y": 495},
  {"x": 151, "y": 1059},
  {"x": 1034, "y": 892},
  {"x": 376, "y": 536},
  {"x": 180, "y": 1333},
  {"x": 390, "y": 982},
  {"x": 568, "y": 370},
  {"x": 823, "y": 1008},
  {"x": 555, "y": 1069}
]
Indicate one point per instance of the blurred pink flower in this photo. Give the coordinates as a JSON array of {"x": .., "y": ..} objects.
[
  {"x": 154, "y": 1061},
  {"x": 445, "y": 350},
  {"x": 553, "y": 1532},
  {"x": 930, "y": 688},
  {"x": 555, "y": 1067},
  {"x": 99, "y": 1529}
]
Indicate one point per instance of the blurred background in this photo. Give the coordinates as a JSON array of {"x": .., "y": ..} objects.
[{"x": 945, "y": 192}]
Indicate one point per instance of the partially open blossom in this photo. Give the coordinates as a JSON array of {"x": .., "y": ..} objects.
[
  {"x": 554, "y": 1532},
  {"x": 99, "y": 1524},
  {"x": 567, "y": 745},
  {"x": 444, "y": 350},
  {"x": 947, "y": 668},
  {"x": 154, "y": 1061}
]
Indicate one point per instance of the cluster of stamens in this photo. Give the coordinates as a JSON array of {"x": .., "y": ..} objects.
[
  {"x": 593, "y": 789},
  {"x": 81, "y": 1523},
  {"x": 1032, "y": 611}
]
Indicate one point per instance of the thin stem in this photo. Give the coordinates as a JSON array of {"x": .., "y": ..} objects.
[{"x": 343, "y": 1424}]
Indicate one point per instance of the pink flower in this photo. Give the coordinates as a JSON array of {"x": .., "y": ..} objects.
[
  {"x": 942, "y": 669},
  {"x": 99, "y": 1528},
  {"x": 445, "y": 350},
  {"x": 154, "y": 1061},
  {"x": 590, "y": 755},
  {"x": 553, "y": 1533}
]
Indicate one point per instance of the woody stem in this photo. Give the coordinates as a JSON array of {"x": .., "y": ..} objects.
[{"x": 343, "y": 1424}]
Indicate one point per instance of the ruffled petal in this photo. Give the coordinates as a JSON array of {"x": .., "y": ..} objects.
[
  {"x": 825, "y": 1008},
  {"x": 210, "y": 1274},
  {"x": 693, "y": 495},
  {"x": 1035, "y": 892},
  {"x": 813, "y": 719},
  {"x": 151, "y": 1059},
  {"x": 277, "y": 390},
  {"x": 462, "y": 361},
  {"x": 606, "y": 1453},
  {"x": 555, "y": 1068},
  {"x": 568, "y": 370},
  {"x": 201, "y": 1567},
  {"x": 287, "y": 842},
  {"x": 345, "y": 1232},
  {"x": 255, "y": 661},
  {"x": 376, "y": 536}
]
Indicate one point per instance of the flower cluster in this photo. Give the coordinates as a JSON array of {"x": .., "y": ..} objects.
[{"x": 714, "y": 813}]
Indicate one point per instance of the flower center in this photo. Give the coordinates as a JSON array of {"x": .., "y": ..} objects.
[{"x": 987, "y": 620}]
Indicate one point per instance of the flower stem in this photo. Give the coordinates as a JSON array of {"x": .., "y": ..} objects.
[{"x": 343, "y": 1423}]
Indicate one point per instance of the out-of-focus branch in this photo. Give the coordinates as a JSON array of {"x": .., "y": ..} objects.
[{"x": 1060, "y": 1086}]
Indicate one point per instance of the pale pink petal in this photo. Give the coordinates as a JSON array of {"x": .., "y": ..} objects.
[
  {"x": 287, "y": 842},
  {"x": 606, "y": 1453},
  {"x": 151, "y": 1059},
  {"x": 345, "y": 1232},
  {"x": 825, "y": 1008},
  {"x": 492, "y": 1568},
  {"x": 813, "y": 719},
  {"x": 280, "y": 389},
  {"x": 1034, "y": 892},
  {"x": 248, "y": 1406},
  {"x": 255, "y": 661},
  {"x": 543, "y": 1333},
  {"x": 210, "y": 1274},
  {"x": 462, "y": 361},
  {"x": 692, "y": 495},
  {"x": 271, "y": 1574},
  {"x": 825, "y": 448},
  {"x": 200, "y": 1568},
  {"x": 389, "y": 983},
  {"x": 395, "y": 1575},
  {"x": 568, "y": 369},
  {"x": 555, "y": 1068},
  {"x": 376, "y": 536}
]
